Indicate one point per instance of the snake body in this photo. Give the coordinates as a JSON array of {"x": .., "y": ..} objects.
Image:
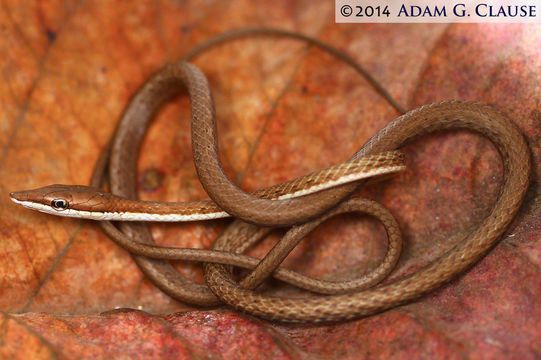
[
  {"x": 440, "y": 116},
  {"x": 88, "y": 202},
  {"x": 251, "y": 211}
]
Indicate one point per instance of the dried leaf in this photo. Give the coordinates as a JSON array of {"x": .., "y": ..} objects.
[{"x": 284, "y": 109}]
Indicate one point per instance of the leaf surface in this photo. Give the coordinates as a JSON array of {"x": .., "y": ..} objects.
[{"x": 284, "y": 109}]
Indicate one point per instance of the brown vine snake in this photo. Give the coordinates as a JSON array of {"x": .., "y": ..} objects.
[{"x": 445, "y": 115}]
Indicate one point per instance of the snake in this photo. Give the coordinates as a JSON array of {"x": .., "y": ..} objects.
[{"x": 255, "y": 214}]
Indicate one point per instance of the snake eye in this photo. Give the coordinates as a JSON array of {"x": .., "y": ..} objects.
[{"x": 59, "y": 204}]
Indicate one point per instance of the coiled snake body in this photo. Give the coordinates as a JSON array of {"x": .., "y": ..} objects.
[{"x": 349, "y": 299}]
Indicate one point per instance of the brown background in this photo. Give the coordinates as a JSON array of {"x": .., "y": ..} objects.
[{"x": 284, "y": 109}]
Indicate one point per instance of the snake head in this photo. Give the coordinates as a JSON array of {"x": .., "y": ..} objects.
[{"x": 63, "y": 200}]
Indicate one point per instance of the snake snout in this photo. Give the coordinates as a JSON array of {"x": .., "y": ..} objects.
[{"x": 18, "y": 196}]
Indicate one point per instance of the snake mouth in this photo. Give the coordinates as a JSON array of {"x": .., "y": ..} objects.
[
  {"x": 22, "y": 198},
  {"x": 18, "y": 196}
]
